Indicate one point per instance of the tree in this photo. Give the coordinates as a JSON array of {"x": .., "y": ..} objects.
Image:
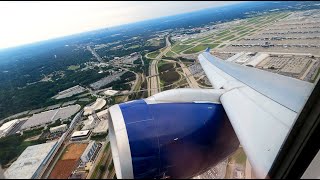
[{"x": 102, "y": 168}]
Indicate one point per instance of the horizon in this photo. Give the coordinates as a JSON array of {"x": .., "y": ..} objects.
[{"x": 6, "y": 45}]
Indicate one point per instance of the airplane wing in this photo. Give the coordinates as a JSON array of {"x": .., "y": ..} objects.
[{"x": 261, "y": 106}]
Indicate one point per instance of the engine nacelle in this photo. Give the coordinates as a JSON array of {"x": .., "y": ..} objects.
[{"x": 172, "y": 140}]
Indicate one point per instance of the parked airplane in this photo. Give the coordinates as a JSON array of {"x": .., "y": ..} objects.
[{"x": 181, "y": 133}]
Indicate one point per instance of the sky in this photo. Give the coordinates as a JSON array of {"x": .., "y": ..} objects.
[{"x": 25, "y": 22}]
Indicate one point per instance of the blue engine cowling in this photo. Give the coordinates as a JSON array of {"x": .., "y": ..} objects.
[{"x": 173, "y": 140}]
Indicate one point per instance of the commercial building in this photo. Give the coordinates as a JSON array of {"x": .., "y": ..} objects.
[
  {"x": 90, "y": 123},
  {"x": 101, "y": 128},
  {"x": 110, "y": 92},
  {"x": 103, "y": 125},
  {"x": 99, "y": 104},
  {"x": 31, "y": 162},
  {"x": 70, "y": 92},
  {"x": 48, "y": 117},
  {"x": 89, "y": 152},
  {"x": 80, "y": 135},
  {"x": 7, "y": 127},
  {"x": 60, "y": 128}
]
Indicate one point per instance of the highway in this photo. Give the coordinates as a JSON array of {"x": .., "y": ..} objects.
[
  {"x": 192, "y": 82},
  {"x": 133, "y": 87},
  {"x": 189, "y": 77},
  {"x": 154, "y": 81},
  {"x": 94, "y": 53}
]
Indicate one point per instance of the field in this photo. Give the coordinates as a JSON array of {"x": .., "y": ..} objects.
[
  {"x": 169, "y": 77},
  {"x": 200, "y": 47},
  {"x": 68, "y": 161},
  {"x": 170, "y": 54},
  {"x": 227, "y": 38},
  {"x": 165, "y": 67},
  {"x": 73, "y": 67},
  {"x": 153, "y": 54},
  {"x": 180, "y": 47}
]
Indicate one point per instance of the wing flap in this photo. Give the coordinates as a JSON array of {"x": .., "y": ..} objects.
[
  {"x": 260, "y": 132},
  {"x": 261, "y": 106},
  {"x": 289, "y": 92}
]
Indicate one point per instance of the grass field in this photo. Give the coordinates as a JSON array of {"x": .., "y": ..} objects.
[
  {"x": 133, "y": 47},
  {"x": 239, "y": 156},
  {"x": 165, "y": 67},
  {"x": 207, "y": 41},
  {"x": 228, "y": 37},
  {"x": 73, "y": 67},
  {"x": 169, "y": 77},
  {"x": 180, "y": 47},
  {"x": 200, "y": 47},
  {"x": 189, "y": 41},
  {"x": 223, "y": 32},
  {"x": 170, "y": 54},
  {"x": 153, "y": 54},
  {"x": 222, "y": 46},
  {"x": 239, "y": 28},
  {"x": 153, "y": 42}
]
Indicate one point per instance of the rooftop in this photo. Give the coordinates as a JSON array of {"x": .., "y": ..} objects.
[
  {"x": 102, "y": 127},
  {"x": 80, "y": 133},
  {"x": 51, "y": 116},
  {"x": 7, "y": 125},
  {"x": 29, "y": 161},
  {"x": 57, "y": 127},
  {"x": 110, "y": 92},
  {"x": 96, "y": 106}
]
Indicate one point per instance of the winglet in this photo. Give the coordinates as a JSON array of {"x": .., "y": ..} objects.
[{"x": 207, "y": 50}]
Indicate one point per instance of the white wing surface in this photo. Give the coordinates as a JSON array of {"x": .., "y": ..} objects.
[{"x": 261, "y": 106}]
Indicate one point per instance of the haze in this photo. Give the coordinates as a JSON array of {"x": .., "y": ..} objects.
[{"x": 27, "y": 22}]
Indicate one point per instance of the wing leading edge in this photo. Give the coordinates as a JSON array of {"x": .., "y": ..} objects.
[{"x": 261, "y": 106}]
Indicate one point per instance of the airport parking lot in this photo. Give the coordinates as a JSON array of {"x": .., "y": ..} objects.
[{"x": 297, "y": 33}]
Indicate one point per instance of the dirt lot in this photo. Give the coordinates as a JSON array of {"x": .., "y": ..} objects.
[
  {"x": 74, "y": 151},
  {"x": 68, "y": 161}
]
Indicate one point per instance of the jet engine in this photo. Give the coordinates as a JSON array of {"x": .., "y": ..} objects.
[{"x": 178, "y": 133}]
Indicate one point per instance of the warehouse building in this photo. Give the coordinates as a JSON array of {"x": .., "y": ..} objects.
[
  {"x": 7, "y": 127},
  {"x": 99, "y": 104},
  {"x": 31, "y": 162},
  {"x": 60, "y": 128},
  {"x": 89, "y": 152},
  {"x": 91, "y": 123},
  {"x": 48, "y": 117}
]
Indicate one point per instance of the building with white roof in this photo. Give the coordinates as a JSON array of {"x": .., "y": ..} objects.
[
  {"x": 45, "y": 118},
  {"x": 30, "y": 163},
  {"x": 7, "y": 127},
  {"x": 89, "y": 152},
  {"x": 110, "y": 92},
  {"x": 90, "y": 123},
  {"x": 103, "y": 125},
  {"x": 80, "y": 135},
  {"x": 99, "y": 104},
  {"x": 101, "y": 128},
  {"x": 60, "y": 128}
]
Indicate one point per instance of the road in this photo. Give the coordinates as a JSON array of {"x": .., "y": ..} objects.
[
  {"x": 189, "y": 77},
  {"x": 154, "y": 81},
  {"x": 94, "y": 53},
  {"x": 192, "y": 82},
  {"x": 133, "y": 87}
]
